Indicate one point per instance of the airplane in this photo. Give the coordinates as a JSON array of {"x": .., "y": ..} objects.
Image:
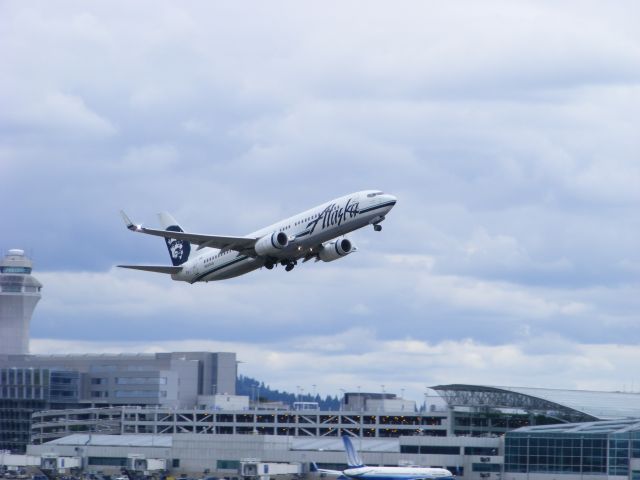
[
  {"x": 359, "y": 471},
  {"x": 317, "y": 233}
]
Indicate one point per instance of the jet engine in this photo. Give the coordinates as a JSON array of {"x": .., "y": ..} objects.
[
  {"x": 271, "y": 244},
  {"x": 336, "y": 249}
]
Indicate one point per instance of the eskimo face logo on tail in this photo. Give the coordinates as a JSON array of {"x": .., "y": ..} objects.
[{"x": 179, "y": 250}]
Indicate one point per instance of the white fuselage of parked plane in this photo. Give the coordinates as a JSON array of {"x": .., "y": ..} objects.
[
  {"x": 397, "y": 473},
  {"x": 306, "y": 231}
]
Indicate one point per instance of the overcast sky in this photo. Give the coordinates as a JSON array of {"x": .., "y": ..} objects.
[{"x": 509, "y": 131}]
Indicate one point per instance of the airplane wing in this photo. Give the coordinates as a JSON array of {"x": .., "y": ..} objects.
[
  {"x": 323, "y": 472},
  {"x": 223, "y": 242},
  {"x": 153, "y": 268}
]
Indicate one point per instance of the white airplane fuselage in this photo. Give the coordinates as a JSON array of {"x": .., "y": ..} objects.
[
  {"x": 306, "y": 231},
  {"x": 397, "y": 473}
]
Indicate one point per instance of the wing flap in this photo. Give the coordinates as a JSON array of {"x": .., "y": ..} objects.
[{"x": 153, "y": 268}]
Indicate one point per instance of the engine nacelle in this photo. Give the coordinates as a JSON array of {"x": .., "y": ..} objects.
[
  {"x": 271, "y": 244},
  {"x": 336, "y": 249}
]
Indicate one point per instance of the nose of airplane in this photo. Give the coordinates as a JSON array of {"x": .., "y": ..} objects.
[{"x": 391, "y": 199}]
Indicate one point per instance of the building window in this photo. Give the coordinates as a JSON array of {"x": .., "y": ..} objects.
[
  {"x": 635, "y": 448},
  {"x": 228, "y": 464},
  {"x": 480, "y": 451},
  {"x": 619, "y": 457},
  {"x": 108, "y": 461},
  {"x": 439, "y": 450},
  {"x": 485, "y": 467},
  {"x": 141, "y": 380},
  {"x": 12, "y": 288},
  {"x": 175, "y": 463},
  {"x": 566, "y": 454},
  {"x": 26, "y": 270},
  {"x": 137, "y": 393},
  {"x": 409, "y": 449}
]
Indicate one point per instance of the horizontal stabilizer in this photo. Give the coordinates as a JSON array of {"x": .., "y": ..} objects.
[
  {"x": 153, "y": 268},
  {"x": 313, "y": 468}
]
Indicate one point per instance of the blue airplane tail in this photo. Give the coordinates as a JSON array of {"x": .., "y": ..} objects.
[{"x": 353, "y": 459}]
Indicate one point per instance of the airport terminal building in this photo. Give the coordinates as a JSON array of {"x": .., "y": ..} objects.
[
  {"x": 483, "y": 433},
  {"x": 31, "y": 383},
  {"x": 594, "y": 449}
]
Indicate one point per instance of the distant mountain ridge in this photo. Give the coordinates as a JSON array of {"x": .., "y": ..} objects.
[{"x": 257, "y": 390}]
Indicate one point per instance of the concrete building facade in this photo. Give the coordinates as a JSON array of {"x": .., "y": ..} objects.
[{"x": 193, "y": 454}]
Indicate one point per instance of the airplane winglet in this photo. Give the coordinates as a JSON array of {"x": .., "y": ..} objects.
[{"x": 128, "y": 222}]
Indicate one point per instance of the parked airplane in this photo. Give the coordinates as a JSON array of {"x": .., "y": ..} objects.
[
  {"x": 317, "y": 233},
  {"x": 358, "y": 470}
]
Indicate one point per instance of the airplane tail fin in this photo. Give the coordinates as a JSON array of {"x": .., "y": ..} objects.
[
  {"x": 353, "y": 459},
  {"x": 313, "y": 467},
  {"x": 179, "y": 250}
]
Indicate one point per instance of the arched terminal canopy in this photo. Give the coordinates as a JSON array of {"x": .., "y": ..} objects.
[{"x": 568, "y": 405}]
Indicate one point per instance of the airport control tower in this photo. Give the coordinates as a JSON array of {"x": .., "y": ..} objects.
[{"x": 19, "y": 294}]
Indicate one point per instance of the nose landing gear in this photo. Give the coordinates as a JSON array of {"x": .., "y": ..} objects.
[{"x": 377, "y": 227}]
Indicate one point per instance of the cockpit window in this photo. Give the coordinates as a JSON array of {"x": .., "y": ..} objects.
[{"x": 374, "y": 194}]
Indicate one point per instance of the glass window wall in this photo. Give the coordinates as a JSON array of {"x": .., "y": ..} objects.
[{"x": 564, "y": 453}]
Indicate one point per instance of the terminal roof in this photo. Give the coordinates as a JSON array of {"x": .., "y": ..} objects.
[
  {"x": 573, "y": 405},
  {"x": 603, "y": 427}
]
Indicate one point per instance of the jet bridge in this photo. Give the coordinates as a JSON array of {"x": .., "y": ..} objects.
[{"x": 254, "y": 469}]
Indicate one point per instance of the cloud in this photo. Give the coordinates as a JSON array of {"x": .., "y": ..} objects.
[
  {"x": 409, "y": 365},
  {"x": 60, "y": 113},
  {"x": 507, "y": 131},
  {"x": 391, "y": 296}
]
